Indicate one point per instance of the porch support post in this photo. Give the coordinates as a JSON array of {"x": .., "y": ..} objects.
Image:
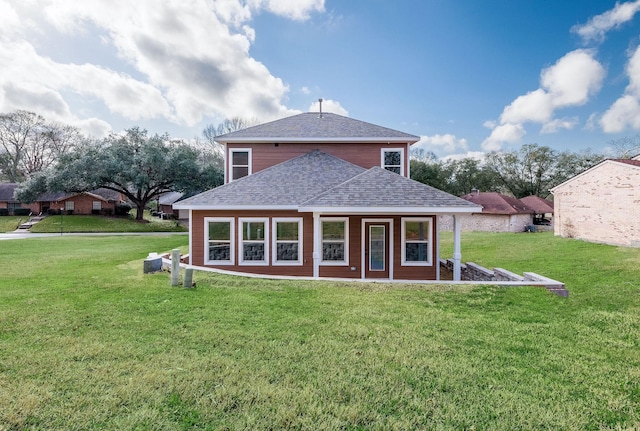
[
  {"x": 457, "y": 256},
  {"x": 317, "y": 244}
]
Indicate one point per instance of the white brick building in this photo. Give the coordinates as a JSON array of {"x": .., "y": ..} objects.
[{"x": 602, "y": 204}]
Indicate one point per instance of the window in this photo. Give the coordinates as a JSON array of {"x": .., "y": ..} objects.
[
  {"x": 416, "y": 242},
  {"x": 335, "y": 246},
  {"x": 240, "y": 163},
  {"x": 252, "y": 240},
  {"x": 68, "y": 205},
  {"x": 96, "y": 206},
  {"x": 393, "y": 160},
  {"x": 287, "y": 241},
  {"x": 219, "y": 248}
]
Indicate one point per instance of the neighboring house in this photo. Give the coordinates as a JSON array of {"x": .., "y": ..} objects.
[
  {"x": 602, "y": 204},
  {"x": 165, "y": 206},
  {"x": 500, "y": 213},
  {"x": 7, "y": 202},
  {"x": 321, "y": 195},
  {"x": 542, "y": 209}
]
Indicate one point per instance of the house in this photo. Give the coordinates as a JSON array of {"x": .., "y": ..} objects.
[
  {"x": 542, "y": 209},
  {"x": 320, "y": 195},
  {"x": 7, "y": 202},
  {"x": 601, "y": 204},
  {"x": 165, "y": 206},
  {"x": 99, "y": 201},
  {"x": 500, "y": 213}
]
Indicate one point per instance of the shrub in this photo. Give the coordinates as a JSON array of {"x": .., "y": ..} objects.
[
  {"x": 4, "y": 212},
  {"x": 123, "y": 209},
  {"x": 21, "y": 211}
]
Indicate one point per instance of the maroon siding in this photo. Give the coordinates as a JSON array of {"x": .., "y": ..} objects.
[
  {"x": 345, "y": 271},
  {"x": 365, "y": 155}
]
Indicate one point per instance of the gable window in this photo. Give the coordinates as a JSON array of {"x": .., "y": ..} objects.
[
  {"x": 287, "y": 241},
  {"x": 416, "y": 242},
  {"x": 239, "y": 163},
  {"x": 219, "y": 248},
  {"x": 335, "y": 245},
  {"x": 252, "y": 240},
  {"x": 393, "y": 160}
]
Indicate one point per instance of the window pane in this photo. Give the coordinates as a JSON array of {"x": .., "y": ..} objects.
[
  {"x": 417, "y": 252},
  {"x": 392, "y": 158},
  {"x": 220, "y": 231},
  {"x": 219, "y": 251},
  {"x": 253, "y": 251},
  {"x": 287, "y": 251},
  {"x": 253, "y": 231},
  {"x": 97, "y": 205},
  {"x": 240, "y": 158},
  {"x": 239, "y": 172},
  {"x": 416, "y": 231},
  {"x": 333, "y": 230},
  {"x": 333, "y": 251},
  {"x": 287, "y": 231},
  {"x": 376, "y": 248},
  {"x": 393, "y": 169}
]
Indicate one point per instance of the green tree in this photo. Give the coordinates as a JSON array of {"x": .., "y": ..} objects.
[{"x": 134, "y": 164}]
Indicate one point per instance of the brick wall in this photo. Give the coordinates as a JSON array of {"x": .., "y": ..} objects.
[
  {"x": 488, "y": 222},
  {"x": 601, "y": 205}
]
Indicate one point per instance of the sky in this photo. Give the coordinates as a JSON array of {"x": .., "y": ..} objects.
[{"x": 466, "y": 76}]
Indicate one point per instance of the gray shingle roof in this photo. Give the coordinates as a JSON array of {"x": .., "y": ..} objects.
[
  {"x": 310, "y": 127},
  {"x": 379, "y": 187},
  {"x": 6, "y": 191},
  {"x": 286, "y": 184},
  {"x": 318, "y": 179}
]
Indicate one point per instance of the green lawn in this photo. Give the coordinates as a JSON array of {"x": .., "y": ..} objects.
[
  {"x": 92, "y": 223},
  {"x": 88, "y": 342},
  {"x": 10, "y": 223}
]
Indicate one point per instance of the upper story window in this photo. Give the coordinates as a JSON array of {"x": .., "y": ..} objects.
[
  {"x": 393, "y": 160},
  {"x": 239, "y": 163}
]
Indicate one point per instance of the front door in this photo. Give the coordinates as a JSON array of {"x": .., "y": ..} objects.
[{"x": 376, "y": 249}]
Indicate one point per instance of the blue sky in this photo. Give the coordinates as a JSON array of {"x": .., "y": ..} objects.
[{"x": 466, "y": 76}]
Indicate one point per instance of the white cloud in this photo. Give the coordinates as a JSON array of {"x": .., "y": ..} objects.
[
  {"x": 177, "y": 71},
  {"x": 625, "y": 112},
  {"x": 442, "y": 145},
  {"x": 599, "y": 25},
  {"x": 569, "y": 82},
  {"x": 478, "y": 155},
  {"x": 558, "y": 124},
  {"x": 504, "y": 133},
  {"x": 329, "y": 105}
]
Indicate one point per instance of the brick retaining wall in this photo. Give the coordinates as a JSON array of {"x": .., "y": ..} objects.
[{"x": 474, "y": 272}]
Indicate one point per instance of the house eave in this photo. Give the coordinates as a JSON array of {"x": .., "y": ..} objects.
[
  {"x": 391, "y": 210},
  {"x": 196, "y": 207},
  {"x": 308, "y": 140}
]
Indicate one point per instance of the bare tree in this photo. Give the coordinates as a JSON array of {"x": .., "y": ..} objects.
[
  {"x": 626, "y": 147},
  {"x": 29, "y": 144}
]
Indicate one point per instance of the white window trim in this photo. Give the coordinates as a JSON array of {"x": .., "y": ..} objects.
[
  {"x": 428, "y": 221},
  {"x": 392, "y": 150},
  {"x": 274, "y": 241},
  {"x": 344, "y": 262},
  {"x": 241, "y": 241},
  {"x": 230, "y": 167},
  {"x": 232, "y": 250}
]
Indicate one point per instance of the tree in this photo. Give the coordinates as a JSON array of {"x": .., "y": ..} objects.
[
  {"x": 529, "y": 171},
  {"x": 468, "y": 174},
  {"x": 140, "y": 167},
  {"x": 626, "y": 147},
  {"x": 29, "y": 144}
]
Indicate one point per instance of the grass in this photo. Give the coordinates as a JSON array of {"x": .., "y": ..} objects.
[
  {"x": 92, "y": 223},
  {"x": 88, "y": 342},
  {"x": 10, "y": 223}
]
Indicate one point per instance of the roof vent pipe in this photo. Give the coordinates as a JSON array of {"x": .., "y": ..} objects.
[{"x": 320, "y": 102}]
